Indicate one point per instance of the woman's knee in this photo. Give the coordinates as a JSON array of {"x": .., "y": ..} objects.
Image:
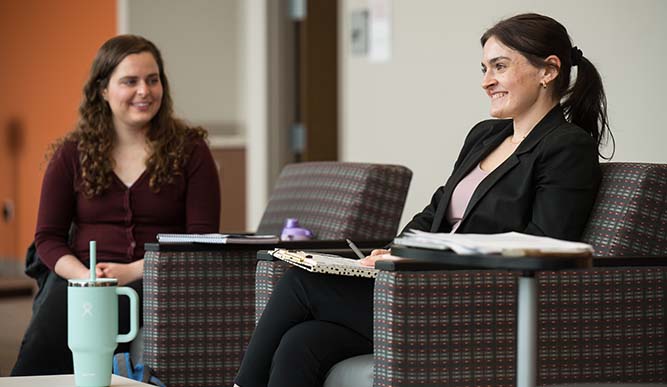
[
  {"x": 318, "y": 345},
  {"x": 319, "y": 340},
  {"x": 297, "y": 343}
]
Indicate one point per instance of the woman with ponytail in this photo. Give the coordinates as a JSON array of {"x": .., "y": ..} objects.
[{"x": 534, "y": 169}]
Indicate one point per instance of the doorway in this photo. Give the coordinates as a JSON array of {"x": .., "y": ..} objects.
[
  {"x": 316, "y": 81},
  {"x": 302, "y": 82}
]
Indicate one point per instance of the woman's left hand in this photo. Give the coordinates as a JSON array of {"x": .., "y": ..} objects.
[{"x": 123, "y": 272}]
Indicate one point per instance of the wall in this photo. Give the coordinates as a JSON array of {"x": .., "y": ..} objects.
[
  {"x": 204, "y": 48},
  {"x": 201, "y": 43},
  {"x": 416, "y": 109},
  {"x": 46, "y": 48}
]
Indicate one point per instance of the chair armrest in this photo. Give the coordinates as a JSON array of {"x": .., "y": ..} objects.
[
  {"x": 268, "y": 273},
  {"x": 198, "y": 314},
  {"x": 603, "y": 324},
  {"x": 199, "y": 300},
  {"x": 445, "y": 328}
]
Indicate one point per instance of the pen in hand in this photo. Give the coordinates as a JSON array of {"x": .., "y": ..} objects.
[{"x": 355, "y": 249}]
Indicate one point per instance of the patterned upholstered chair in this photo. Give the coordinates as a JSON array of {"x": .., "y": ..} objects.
[
  {"x": 431, "y": 328},
  {"x": 435, "y": 326},
  {"x": 199, "y": 305},
  {"x": 609, "y": 323}
]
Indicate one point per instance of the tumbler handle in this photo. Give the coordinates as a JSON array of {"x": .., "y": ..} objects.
[{"x": 134, "y": 314}]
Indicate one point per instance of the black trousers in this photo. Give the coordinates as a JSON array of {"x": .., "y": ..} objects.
[
  {"x": 311, "y": 322},
  {"x": 44, "y": 349}
]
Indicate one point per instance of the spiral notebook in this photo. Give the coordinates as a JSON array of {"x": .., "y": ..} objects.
[
  {"x": 324, "y": 263},
  {"x": 217, "y": 238}
]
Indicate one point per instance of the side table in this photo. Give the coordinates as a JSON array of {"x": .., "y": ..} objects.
[{"x": 61, "y": 381}]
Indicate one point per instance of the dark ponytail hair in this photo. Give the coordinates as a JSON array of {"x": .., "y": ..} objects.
[{"x": 536, "y": 37}]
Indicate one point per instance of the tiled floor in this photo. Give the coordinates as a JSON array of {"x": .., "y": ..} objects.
[{"x": 15, "y": 314}]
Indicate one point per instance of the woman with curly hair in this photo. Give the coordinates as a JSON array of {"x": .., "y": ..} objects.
[{"x": 128, "y": 171}]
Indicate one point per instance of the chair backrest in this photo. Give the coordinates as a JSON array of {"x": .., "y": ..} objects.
[
  {"x": 338, "y": 200},
  {"x": 630, "y": 214}
]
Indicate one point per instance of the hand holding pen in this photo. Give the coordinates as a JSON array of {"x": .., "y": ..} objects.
[
  {"x": 375, "y": 255},
  {"x": 355, "y": 249}
]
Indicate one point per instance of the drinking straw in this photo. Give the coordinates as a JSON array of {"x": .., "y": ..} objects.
[{"x": 93, "y": 260}]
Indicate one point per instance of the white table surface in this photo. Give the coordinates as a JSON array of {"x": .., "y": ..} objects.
[{"x": 60, "y": 381}]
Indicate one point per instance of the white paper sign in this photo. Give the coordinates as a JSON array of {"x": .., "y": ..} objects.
[{"x": 380, "y": 30}]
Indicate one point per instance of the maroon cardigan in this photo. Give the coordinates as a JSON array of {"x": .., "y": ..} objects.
[{"x": 122, "y": 219}]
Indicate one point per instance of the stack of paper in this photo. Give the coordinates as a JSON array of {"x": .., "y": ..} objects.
[
  {"x": 511, "y": 243},
  {"x": 217, "y": 238}
]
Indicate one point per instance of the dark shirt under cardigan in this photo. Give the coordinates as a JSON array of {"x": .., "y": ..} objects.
[{"x": 123, "y": 218}]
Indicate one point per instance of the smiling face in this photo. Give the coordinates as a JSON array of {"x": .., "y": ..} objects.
[
  {"x": 134, "y": 92},
  {"x": 512, "y": 83}
]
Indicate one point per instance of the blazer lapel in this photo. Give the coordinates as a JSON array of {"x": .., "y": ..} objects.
[
  {"x": 491, "y": 180},
  {"x": 474, "y": 157},
  {"x": 551, "y": 121}
]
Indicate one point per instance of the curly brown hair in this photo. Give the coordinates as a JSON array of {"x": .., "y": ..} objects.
[{"x": 168, "y": 137}]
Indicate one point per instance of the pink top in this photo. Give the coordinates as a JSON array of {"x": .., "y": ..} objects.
[{"x": 462, "y": 194}]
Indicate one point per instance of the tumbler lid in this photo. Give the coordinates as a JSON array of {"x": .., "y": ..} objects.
[{"x": 98, "y": 283}]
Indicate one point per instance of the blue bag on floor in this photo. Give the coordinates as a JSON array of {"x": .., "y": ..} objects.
[{"x": 122, "y": 366}]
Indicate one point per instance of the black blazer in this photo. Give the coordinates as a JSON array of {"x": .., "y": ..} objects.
[{"x": 546, "y": 187}]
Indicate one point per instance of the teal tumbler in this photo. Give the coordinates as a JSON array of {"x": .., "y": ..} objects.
[{"x": 92, "y": 327}]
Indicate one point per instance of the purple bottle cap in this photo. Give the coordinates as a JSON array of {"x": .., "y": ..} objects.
[
  {"x": 291, "y": 223},
  {"x": 292, "y": 231}
]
